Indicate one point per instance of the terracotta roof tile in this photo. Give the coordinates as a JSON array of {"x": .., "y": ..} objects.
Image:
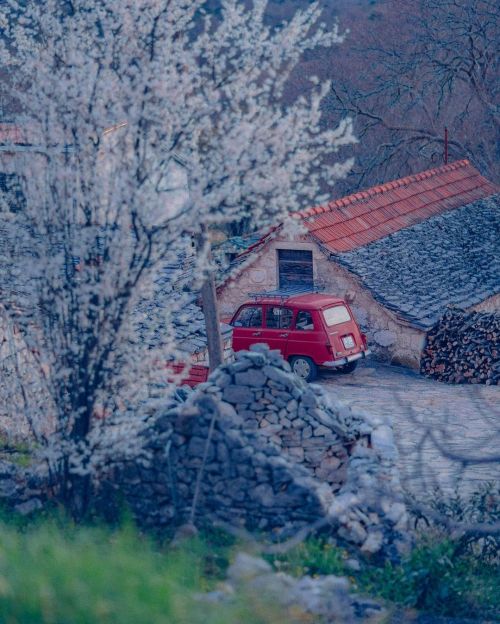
[{"x": 366, "y": 216}]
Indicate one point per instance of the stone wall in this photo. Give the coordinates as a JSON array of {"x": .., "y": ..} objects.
[
  {"x": 390, "y": 339},
  {"x": 278, "y": 455},
  {"x": 243, "y": 479},
  {"x": 258, "y": 448},
  {"x": 492, "y": 304},
  {"x": 288, "y": 414}
]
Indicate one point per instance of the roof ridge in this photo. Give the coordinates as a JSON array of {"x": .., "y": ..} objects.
[
  {"x": 380, "y": 188},
  {"x": 395, "y": 201}
]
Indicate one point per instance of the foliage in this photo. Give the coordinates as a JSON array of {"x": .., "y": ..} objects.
[
  {"x": 53, "y": 571},
  {"x": 142, "y": 122},
  {"x": 94, "y": 576}
]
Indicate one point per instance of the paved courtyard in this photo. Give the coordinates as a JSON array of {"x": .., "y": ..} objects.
[{"x": 465, "y": 420}]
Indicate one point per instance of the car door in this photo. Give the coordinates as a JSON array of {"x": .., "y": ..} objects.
[
  {"x": 307, "y": 337},
  {"x": 278, "y": 321},
  {"x": 247, "y": 327}
]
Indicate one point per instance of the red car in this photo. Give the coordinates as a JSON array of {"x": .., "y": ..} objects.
[{"x": 311, "y": 330}]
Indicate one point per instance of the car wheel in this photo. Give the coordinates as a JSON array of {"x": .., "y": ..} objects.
[
  {"x": 304, "y": 367},
  {"x": 349, "y": 368}
]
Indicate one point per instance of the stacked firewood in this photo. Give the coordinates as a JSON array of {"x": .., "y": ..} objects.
[{"x": 463, "y": 347}]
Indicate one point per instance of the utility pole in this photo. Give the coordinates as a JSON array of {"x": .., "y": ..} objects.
[
  {"x": 210, "y": 308},
  {"x": 445, "y": 145}
]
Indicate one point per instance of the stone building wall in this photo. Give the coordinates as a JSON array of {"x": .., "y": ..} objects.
[
  {"x": 389, "y": 338},
  {"x": 492, "y": 304}
]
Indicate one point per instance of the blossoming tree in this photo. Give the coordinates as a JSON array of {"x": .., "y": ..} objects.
[{"x": 125, "y": 105}]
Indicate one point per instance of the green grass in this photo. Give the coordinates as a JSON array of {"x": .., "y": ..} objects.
[
  {"x": 51, "y": 574},
  {"x": 314, "y": 557}
]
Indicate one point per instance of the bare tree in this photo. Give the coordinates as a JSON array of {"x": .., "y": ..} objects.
[
  {"x": 435, "y": 66},
  {"x": 115, "y": 94}
]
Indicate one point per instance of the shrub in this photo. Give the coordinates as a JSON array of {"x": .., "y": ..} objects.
[
  {"x": 439, "y": 579},
  {"x": 438, "y": 576},
  {"x": 480, "y": 507}
]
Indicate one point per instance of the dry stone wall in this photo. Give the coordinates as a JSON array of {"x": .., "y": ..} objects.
[
  {"x": 290, "y": 415},
  {"x": 258, "y": 448},
  {"x": 235, "y": 476},
  {"x": 272, "y": 453}
]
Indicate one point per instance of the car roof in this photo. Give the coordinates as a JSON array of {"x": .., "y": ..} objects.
[{"x": 310, "y": 301}]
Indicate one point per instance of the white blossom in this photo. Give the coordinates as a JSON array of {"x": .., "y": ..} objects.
[{"x": 114, "y": 95}]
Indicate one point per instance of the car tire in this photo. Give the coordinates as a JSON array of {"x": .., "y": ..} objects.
[
  {"x": 304, "y": 367},
  {"x": 348, "y": 368}
]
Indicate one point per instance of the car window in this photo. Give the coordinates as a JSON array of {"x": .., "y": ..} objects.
[
  {"x": 249, "y": 316},
  {"x": 304, "y": 321},
  {"x": 278, "y": 318},
  {"x": 336, "y": 315}
]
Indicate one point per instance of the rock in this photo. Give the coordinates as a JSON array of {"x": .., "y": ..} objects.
[
  {"x": 321, "y": 431},
  {"x": 264, "y": 495},
  {"x": 226, "y": 410},
  {"x": 384, "y": 338},
  {"x": 356, "y": 532},
  {"x": 353, "y": 564},
  {"x": 29, "y": 506},
  {"x": 396, "y": 512},
  {"x": 296, "y": 452},
  {"x": 382, "y": 439},
  {"x": 184, "y": 532},
  {"x": 237, "y": 394},
  {"x": 373, "y": 543},
  {"x": 253, "y": 377},
  {"x": 325, "y": 597},
  {"x": 246, "y": 567}
]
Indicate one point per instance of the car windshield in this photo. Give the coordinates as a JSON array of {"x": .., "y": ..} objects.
[{"x": 336, "y": 315}]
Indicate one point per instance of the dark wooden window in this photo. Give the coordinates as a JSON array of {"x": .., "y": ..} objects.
[{"x": 295, "y": 268}]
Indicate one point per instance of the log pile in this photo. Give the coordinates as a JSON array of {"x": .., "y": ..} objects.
[{"x": 463, "y": 347}]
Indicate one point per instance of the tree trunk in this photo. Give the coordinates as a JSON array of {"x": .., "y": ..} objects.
[
  {"x": 211, "y": 310},
  {"x": 212, "y": 323}
]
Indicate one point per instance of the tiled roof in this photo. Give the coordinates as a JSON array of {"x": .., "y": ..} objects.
[
  {"x": 175, "y": 287},
  {"x": 452, "y": 258},
  {"x": 357, "y": 220}
]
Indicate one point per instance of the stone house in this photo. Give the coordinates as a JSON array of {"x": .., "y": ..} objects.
[{"x": 399, "y": 253}]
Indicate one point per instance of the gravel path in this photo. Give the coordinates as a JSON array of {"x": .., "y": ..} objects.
[{"x": 466, "y": 419}]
